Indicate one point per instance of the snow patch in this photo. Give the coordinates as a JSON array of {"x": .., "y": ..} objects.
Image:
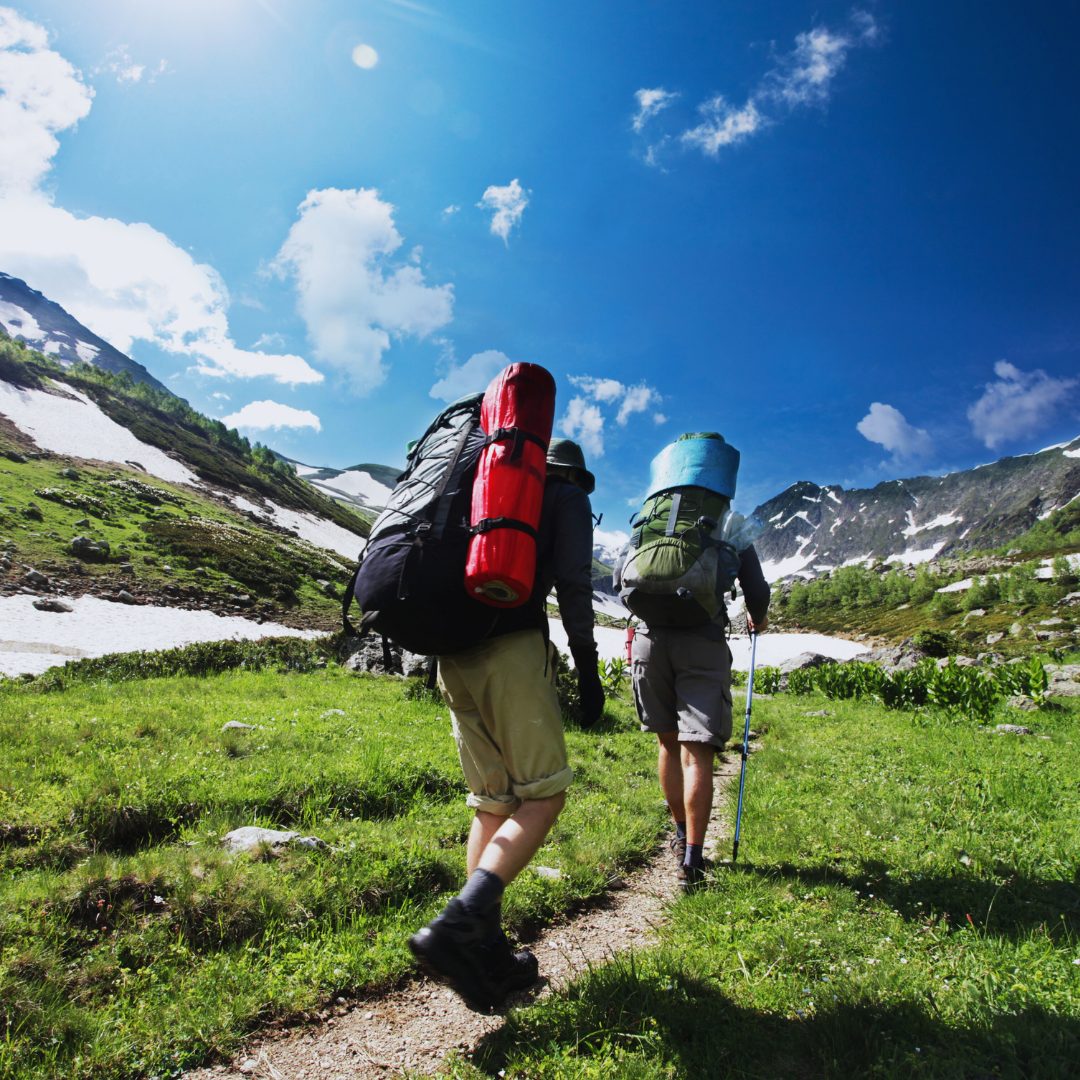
[
  {"x": 306, "y": 470},
  {"x": 80, "y": 429},
  {"x": 835, "y": 498},
  {"x": 37, "y": 640},
  {"x": 20, "y": 322},
  {"x": 609, "y": 605},
  {"x": 958, "y": 586},
  {"x": 938, "y": 523},
  {"x": 357, "y": 484},
  {"x": 913, "y": 558},
  {"x": 774, "y": 649},
  {"x": 86, "y": 352},
  {"x": 1071, "y": 453}
]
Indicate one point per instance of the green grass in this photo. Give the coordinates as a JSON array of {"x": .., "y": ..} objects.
[
  {"x": 907, "y": 904},
  {"x": 132, "y": 945}
]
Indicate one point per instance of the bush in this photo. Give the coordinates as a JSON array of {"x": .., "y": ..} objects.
[{"x": 934, "y": 643}]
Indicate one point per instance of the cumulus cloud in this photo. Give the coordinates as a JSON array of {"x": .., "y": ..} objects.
[
  {"x": 585, "y": 424},
  {"x": 260, "y": 415},
  {"x": 473, "y": 375},
  {"x": 584, "y": 418},
  {"x": 349, "y": 295},
  {"x": 887, "y": 426},
  {"x": 651, "y": 102},
  {"x": 802, "y": 77},
  {"x": 1019, "y": 404},
  {"x": 126, "y": 282},
  {"x": 40, "y": 94},
  {"x": 508, "y": 203},
  {"x": 120, "y": 64}
]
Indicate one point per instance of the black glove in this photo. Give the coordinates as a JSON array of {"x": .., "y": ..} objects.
[{"x": 591, "y": 695}]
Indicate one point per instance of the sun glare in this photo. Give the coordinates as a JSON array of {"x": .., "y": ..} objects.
[{"x": 365, "y": 56}]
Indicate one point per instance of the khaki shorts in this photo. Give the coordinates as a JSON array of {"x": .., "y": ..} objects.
[
  {"x": 507, "y": 721},
  {"x": 682, "y": 682}
]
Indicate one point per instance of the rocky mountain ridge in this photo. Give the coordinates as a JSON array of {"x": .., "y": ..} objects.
[
  {"x": 808, "y": 527},
  {"x": 27, "y": 315}
]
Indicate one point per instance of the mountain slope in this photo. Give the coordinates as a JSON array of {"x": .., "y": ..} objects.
[
  {"x": 915, "y": 520},
  {"x": 27, "y": 315}
]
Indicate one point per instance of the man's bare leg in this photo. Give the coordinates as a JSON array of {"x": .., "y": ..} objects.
[
  {"x": 504, "y": 846},
  {"x": 697, "y": 777},
  {"x": 670, "y": 769}
]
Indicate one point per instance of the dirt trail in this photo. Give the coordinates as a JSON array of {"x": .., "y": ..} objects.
[{"x": 416, "y": 1026}]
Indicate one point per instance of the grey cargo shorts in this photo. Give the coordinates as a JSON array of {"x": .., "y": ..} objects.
[{"x": 682, "y": 682}]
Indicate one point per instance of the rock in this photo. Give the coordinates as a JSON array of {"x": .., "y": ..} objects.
[
  {"x": 244, "y": 600},
  {"x": 993, "y": 639},
  {"x": 235, "y": 725},
  {"x": 1016, "y": 628},
  {"x": 248, "y": 1067},
  {"x": 821, "y": 712},
  {"x": 367, "y": 655},
  {"x": 805, "y": 660},
  {"x": 37, "y": 579},
  {"x": 966, "y": 661},
  {"x": 252, "y": 837},
  {"x": 1014, "y": 551},
  {"x": 127, "y": 568},
  {"x": 991, "y": 658},
  {"x": 975, "y": 613},
  {"x": 1013, "y": 729},
  {"x": 548, "y": 872},
  {"x": 85, "y": 548},
  {"x": 124, "y": 597},
  {"x": 1052, "y": 622},
  {"x": 1019, "y": 701},
  {"x": 52, "y": 605},
  {"x": 1055, "y": 635},
  {"x": 201, "y": 571},
  {"x": 69, "y": 474},
  {"x": 82, "y": 523},
  {"x": 33, "y": 511},
  {"x": 13, "y": 455}
]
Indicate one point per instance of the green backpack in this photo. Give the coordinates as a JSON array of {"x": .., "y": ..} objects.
[{"x": 676, "y": 568}]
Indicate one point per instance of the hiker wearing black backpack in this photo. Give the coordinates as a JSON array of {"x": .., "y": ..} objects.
[
  {"x": 509, "y": 732},
  {"x": 687, "y": 550},
  {"x": 496, "y": 664}
]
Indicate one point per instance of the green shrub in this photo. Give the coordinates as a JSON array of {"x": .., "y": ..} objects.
[{"x": 934, "y": 643}]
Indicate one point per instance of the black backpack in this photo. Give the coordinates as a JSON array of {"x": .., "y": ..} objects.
[{"x": 410, "y": 582}]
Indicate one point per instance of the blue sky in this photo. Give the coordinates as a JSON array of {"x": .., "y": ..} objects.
[{"x": 847, "y": 238}]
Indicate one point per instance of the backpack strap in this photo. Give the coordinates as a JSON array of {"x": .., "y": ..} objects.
[
  {"x": 520, "y": 437},
  {"x": 504, "y": 523},
  {"x": 346, "y": 603},
  {"x": 673, "y": 514}
]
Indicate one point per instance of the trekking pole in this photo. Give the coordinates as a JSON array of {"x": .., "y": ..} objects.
[{"x": 745, "y": 746}]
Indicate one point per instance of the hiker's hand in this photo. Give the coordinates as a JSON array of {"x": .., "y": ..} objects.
[
  {"x": 759, "y": 626},
  {"x": 591, "y": 695}
]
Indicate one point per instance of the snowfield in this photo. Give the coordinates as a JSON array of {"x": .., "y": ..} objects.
[
  {"x": 34, "y": 641},
  {"x": 358, "y": 484},
  {"x": 77, "y": 427},
  {"x": 310, "y": 527}
]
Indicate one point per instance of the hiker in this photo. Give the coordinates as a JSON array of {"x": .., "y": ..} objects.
[
  {"x": 509, "y": 732},
  {"x": 680, "y": 660}
]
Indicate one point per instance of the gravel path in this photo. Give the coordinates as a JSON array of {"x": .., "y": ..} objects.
[{"x": 413, "y": 1028}]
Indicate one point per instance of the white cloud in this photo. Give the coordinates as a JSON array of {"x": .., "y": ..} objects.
[
  {"x": 224, "y": 397},
  {"x": 473, "y": 375},
  {"x": 650, "y": 102},
  {"x": 1019, "y": 404},
  {"x": 600, "y": 389},
  {"x": 351, "y": 299},
  {"x": 722, "y": 125},
  {"x": 659, "y": 418},
  {"x": 802, "y": 77},
  {"x": 637, "y": 399},
  {"x": 260, "y": 415},
  {"x": 508, "y": 203},
  {"x": 886, "y": 426},
  {"x": 451, "y": 209},
  {"x": 124, "y": 281},
  {"x": 584, "y": 423},
  {"x": 120, "y": 64},
  {"x": 40, "y": 94}
]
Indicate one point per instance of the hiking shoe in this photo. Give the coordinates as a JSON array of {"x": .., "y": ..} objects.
[
  {"x": 691, "y": 878},
  {"x": 472, "y": 955},
  {"x": 678, "y": 848}
]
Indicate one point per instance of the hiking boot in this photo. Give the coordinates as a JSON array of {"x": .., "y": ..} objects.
[
  {"x": 678, "y": 848},
  {"x": 691, "y": 878},
  {"x": 472, "y": 955}
]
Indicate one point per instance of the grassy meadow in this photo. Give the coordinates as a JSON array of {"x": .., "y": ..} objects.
[
  {"x": 907, "y": 904},
  {"x": 132, "y": 945}
]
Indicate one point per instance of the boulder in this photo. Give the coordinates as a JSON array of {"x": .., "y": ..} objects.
[
  {"x": 1013, "y": 729},
  {"x": 69, "y": 474},
  {"x": 993, "y": 639},
  {"x": 124, "y": 597},
  {"x": 82, "y": 523},
  {"x": 33, "y": 512},
  {"x": 127, "y": 568},
  {"x": 52, "y": 605},
  {"x": 805, "y": 660},
  {"x": 235, "y": 725},
  {"x": 37, "y": 579},
  {"x": 975, "y": 613},
  {"x": 1019, "y": 701},
  {"x": 367, "y": 655},
  {"x": 252, "y": 837},
  {"x": 1016, "y": 628},
  {"x": 83, "y": 547}
]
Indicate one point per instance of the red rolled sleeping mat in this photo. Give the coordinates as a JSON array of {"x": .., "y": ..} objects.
[{"x": 508, "y": 492}]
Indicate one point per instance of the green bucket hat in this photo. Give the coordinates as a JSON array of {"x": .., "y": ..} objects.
[{"x": 567, "y": 453}]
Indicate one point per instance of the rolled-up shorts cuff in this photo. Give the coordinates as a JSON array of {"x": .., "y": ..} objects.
[
  {"x": 502, "y": 805},
  {"x": 546, "y": 786}
]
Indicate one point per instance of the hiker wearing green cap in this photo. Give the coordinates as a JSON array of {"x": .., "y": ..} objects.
[
  {"x": 687, "y": 550},
  {"x": 509, "y": 732}
]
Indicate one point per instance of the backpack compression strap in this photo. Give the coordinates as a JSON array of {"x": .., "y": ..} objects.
[
  {"x": 519, "y": 436},
  {"x": 504, "y": 523}
]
